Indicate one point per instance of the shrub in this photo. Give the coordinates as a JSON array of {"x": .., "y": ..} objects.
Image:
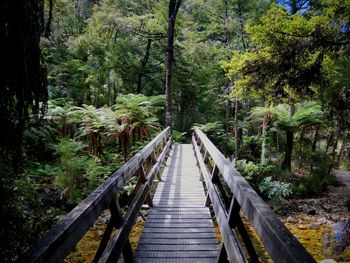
[
  {"x": 275, "y": 190},
  {"x": 248, "y": 169},
  {"x": 72, "y": 166}
]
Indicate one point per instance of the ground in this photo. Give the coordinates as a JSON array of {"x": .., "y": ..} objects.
[
  {"x": 333, "y": 205},
  {"x": 317, "y": 222}
]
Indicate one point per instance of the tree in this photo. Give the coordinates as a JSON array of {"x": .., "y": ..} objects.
[
  {"x": 305, "y": 114},
  {"x": 23, "y": 92},
  {"x": 174, "y": 6},
  {"x": 288, "y": 56}
]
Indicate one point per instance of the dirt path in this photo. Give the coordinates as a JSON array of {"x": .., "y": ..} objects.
[{"x": 343, "y": 177}]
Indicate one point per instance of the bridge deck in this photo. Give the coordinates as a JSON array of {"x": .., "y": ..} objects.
[{"x": 179, "y": 226}]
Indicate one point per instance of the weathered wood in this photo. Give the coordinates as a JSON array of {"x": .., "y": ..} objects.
[
  {"x": 235, "y": 220},
  {"x": 143, "y": 178},
  {"x": 177, "y": 235},
  {"x": 178, "y": 226},
  {"x": 235, "y": 252},
  {"x": 120, "y": 239},
  {"x": 62, "y": 238},
  {"x": 216, "y": 181},
  {"x": 177, "y": 247},
  {"x": 176, "y": 254},
  {"x": 174, "y": 260},
  {"x": 174, "y": 241},
  {"x": 277, "y": 239},
  {"x": 222, "y": 256},
  {"x": 114, "y": 222}
]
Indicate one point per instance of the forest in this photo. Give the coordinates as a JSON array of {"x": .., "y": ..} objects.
[{"x": 86, "y": 84}]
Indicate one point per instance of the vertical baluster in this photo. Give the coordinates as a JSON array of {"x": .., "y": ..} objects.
[
  {"x": 235, "y": 220},
  {"x": 115, "y": 221}
]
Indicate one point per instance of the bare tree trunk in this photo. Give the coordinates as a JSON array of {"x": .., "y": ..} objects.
[
  {"x": 341, "y": 152},
  {"x": 241, "y": 23},
  {"x": 143, "y": 66},
  {"x": 330, "y": 137},
  {"x": 287, "y": 162},
  {"x": 337, "y": 136},
  {"x": 301, "y": 149},
  {"x": 173, "y": 9},
  {"x": 294, "y": 7},
  {"x": 226, "y": 23},
  {"x": 314, "y": 143},
  {"x": 236, "y": 130}
]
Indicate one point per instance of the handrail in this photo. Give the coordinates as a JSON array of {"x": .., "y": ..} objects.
[
  {"x": 276, "y": 238},
  {"x": 63, "y": 237}
]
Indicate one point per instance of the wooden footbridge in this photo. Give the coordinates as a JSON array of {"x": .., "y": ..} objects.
[{"x": 196, "y": 184}]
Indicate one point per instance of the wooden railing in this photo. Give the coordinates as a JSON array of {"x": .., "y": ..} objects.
[
  {"x": 276, "y": 238},
  {"x": 62, "y": 238}
]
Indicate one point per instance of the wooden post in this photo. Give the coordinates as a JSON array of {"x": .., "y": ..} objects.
[
  {"x": 235, "y": 220},
  {"x": 222, "y": 256},
  {"x": 116, "y": 221},
  {"x": 143, "y": 178},
  {"x": 216, "y": 181}
]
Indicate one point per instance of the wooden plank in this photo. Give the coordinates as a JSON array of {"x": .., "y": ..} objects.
[
  {"x": 181, "y": 216},
  {"x": 179, "y": 231},
  {"x": 176, "y": 254},
  {"x": 230, "y": 240},
  {"x": 177, "y": 247},
  {"x": 171, "y": 235},
  {"x": 178, "y": 225},
  {"x": 179, "y": 210},
  {"x": 175, "y": 260},
  {"x": 179, "y": 220},
  {"x": 174, "y": 241},
  {"x": 277, "y": 239}
]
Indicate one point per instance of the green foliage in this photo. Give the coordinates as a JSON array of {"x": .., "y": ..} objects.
[
  {"x": 318, "y": 180},
  {"x": 275, "y": 190},
  {"x": 96, "y": 173},
  {"x": 288, "y": 55},
  {"x": 286, "y": 71},
  {"x": 247, "y": 169},
  {"x": 178, "y": 136},
  {"x": 72, "y": 165}
]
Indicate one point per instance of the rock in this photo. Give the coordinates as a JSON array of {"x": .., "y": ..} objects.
[
  {"x": 322, "y": 220},
  {"x": 99, "y": 233},
  {"x": 335, "y": 217},
  {"x": 314, "y": 226},
  {"x": 311, "y": 211},
  {"x": 327, "y": 208},
  {"x": 300, "y": 221},
  {"x": 303, "y": 207},
  {"x": 291, "y": 219},
  {"x": 302, "y": 226},
  {"x": 328, "y": 260}
]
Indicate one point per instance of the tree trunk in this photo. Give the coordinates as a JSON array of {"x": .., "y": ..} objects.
[
  {"x": 287, "y": 162},
  {"x": 143, "y": 66},
  {"x": 330, "y": 138},
  {"x": 241, "y": 23},
  {"x": 341, "y": 152},
  {"x": 173, "y": 9},
  {"x": 314, "y": 143},
  {"x": 301, "y": 149},
  {"x": 236, "y": 130},
  {"x": 337, "y": 136}
]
